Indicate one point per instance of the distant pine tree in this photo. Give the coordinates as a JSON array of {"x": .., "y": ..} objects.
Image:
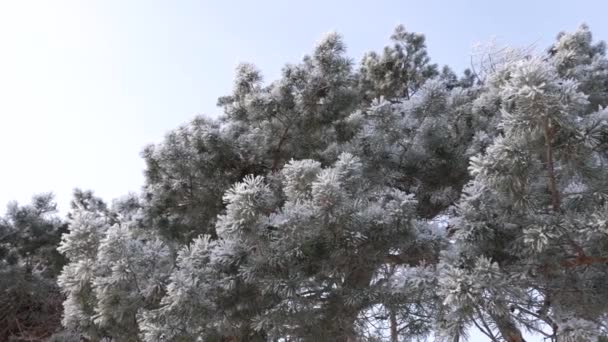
[{"x": 30, "y": 300}]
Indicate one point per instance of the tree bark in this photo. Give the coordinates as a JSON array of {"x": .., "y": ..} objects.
[
  {"x": 340, "y": 318},
  {"x": 277, "y": 151},
  {"x": 507, "y": 328},
  {"x": 394, "y": 330}
]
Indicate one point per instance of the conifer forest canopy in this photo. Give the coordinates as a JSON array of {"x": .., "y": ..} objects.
[{"x": 390, "y": 199}]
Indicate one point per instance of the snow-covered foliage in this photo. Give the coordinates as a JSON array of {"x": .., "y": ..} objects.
[
  {"x": 390, "y": 201},
  {"x": 88, "y": 224},
  {"x": 529, "y": 207}
]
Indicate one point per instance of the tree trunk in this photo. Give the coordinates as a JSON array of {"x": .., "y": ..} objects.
[
  {"x": 394, "y": 330},
  {"x": 507, "y": 328},
  {"x": 338, "y": 323},
  {"x": 340, "y": 318}
]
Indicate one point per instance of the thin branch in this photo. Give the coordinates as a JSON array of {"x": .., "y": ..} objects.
[{"x": 485, "y": 324}]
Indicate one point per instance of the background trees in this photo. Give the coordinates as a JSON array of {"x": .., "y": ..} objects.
[{"x": 30, "y": 304}]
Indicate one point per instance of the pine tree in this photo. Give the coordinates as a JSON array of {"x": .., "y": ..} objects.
[
  {"x": 525, "y": 236},
  {"x": 30, "y": 300},
  {"x": 401, "y": 69},
  {"x": 133, "y": 270},
  {"x": 576, "y": 57},
  {"x": 186, "y": 176},
  {"x": 88, "y": 223}
]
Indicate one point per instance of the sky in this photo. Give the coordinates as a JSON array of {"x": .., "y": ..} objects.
[{"x": 85, "y": 85}]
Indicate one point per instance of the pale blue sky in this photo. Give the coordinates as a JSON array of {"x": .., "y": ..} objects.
[{"x": 84, "y": 85}]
